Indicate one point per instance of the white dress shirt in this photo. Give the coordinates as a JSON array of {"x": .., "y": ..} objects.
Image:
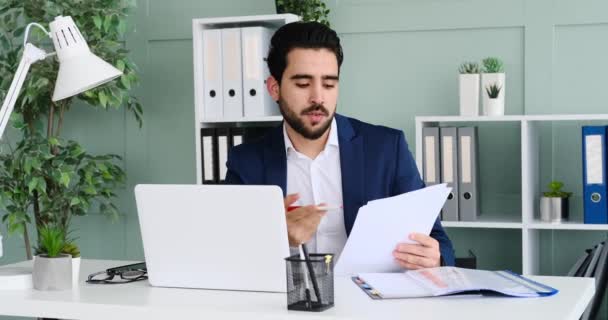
[{"x": 318, "y": 181}]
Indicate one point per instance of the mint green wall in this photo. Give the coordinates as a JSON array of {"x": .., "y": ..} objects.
[{"x": 401, "y": 58}]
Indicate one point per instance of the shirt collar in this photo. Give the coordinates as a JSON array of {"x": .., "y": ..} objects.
[{"x": 332, "y": 140}]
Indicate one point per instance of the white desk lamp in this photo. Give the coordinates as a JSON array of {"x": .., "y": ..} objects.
[{"x": 79, "y": 71}]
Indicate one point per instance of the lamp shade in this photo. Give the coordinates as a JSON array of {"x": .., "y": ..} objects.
[{"x": 79, "y": 69}]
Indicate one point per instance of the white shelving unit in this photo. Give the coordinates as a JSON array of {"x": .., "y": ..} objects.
[
  {"x": 528, "y": 223},
  {"x": 273, "y": 21}
]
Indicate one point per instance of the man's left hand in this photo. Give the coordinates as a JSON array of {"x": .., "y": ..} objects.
[{"x": 424, "y": 254}]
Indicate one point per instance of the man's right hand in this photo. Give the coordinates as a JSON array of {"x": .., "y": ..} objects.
[{"x": 302, "y": 222}]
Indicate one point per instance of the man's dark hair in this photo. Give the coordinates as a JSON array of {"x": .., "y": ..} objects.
[{"x": 306, "y": 35}]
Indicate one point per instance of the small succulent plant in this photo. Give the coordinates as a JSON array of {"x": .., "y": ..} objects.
[
  {"x": 51, "y": 241},
  {"x": 492, "y": 65},
  {"x": 71, "y": 249},
  {"x": 469, "y": 68},
  {"x": 493, "y": 90},
  {"x": 556, "y": 190}
]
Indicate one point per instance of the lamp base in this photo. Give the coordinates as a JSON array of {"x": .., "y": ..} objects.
[{"x": 16, "y": 278}]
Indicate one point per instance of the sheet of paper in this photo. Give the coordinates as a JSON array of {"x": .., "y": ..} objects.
[{"x": 382, "y": 224}]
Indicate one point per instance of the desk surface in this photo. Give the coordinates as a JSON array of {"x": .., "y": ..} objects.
[{"x": 140, "y": 300}]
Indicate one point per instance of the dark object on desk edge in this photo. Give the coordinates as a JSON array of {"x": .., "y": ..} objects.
[{"x": 469, "y": 262}]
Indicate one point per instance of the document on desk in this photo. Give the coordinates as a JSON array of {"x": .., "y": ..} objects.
[
  {"x": 446, "y": 281},
  {"x": 382, "y": 224}
]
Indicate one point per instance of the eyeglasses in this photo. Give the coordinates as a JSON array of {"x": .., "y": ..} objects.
[{"x": 105, "y": 277}]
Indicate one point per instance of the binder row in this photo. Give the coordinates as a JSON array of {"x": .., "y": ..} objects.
[
  {"x": 235, "y": 73},
  {"x": 594, "y": 175},
  {"x": 450, "y": 156},
  {"x": 215, "y": 143},
  {"x": 593, "y": 263}
]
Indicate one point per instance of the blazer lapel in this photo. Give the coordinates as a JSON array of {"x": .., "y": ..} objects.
[
  {"x": 275, "y": 160},
  {"x": 352, "y": 166}
]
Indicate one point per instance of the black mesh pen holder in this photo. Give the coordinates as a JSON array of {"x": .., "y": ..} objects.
[{"x": 310, "y": 284}]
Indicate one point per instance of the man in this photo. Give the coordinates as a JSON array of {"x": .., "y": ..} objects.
[{"x": 320, "y": 158}]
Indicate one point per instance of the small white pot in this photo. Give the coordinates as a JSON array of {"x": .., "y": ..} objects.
[
  {"x": 554, "y": 209},
  {"x": 75, "y": 271},
  {"x": 52, "y": 273},
  {"x": 469, "y": 94},
  {"x": 488, "y": 79},
  {"x": 495, "y": 107}
]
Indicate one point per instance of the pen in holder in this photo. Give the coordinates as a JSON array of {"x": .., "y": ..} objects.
[{"x": 310, "y": 281}]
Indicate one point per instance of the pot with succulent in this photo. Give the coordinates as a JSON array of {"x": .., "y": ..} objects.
[
  {"x": 46, "y": 179},
  {"x": 52, "y": 268},
  {"x": 469, "y": 89},
  {"x": 493, "y": 73},
  {"x": 554, "y": 204},
  {"x": 495, "y": 106}
]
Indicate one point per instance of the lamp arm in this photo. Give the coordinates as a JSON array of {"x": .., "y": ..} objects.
[
  {"x": 27, "y": 31},
  {"x": 31, "y": 54}
]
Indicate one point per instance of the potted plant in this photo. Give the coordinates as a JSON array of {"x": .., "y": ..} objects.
[
  {"x": 495, "y": 106},
  {"x": 493, "y": 73},
  {"x": 554, "y": 205},
  {"x": 308, "y": 10},
  {"x": 44, "y": 178},
  {"x": 52, "y": 267},
  {"x": 469, "y": 89}
]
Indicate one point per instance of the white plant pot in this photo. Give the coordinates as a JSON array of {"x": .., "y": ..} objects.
[
  {"x": 52, "y": 273},
  {"x": 554, "y": 209},
  {"x": 488, "y": 79},
  {"x": 469, "y": 94},
  {"x": 496, "y": 107},
  {"x": 75, "y": 271}
]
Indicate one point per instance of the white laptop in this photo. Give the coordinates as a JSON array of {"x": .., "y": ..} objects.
[{"x": 214, "y": 236}]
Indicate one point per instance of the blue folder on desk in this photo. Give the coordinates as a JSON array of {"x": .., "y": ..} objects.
[
  {"x": 594, "y": 175},
  {"x": 441, "y": 281}
]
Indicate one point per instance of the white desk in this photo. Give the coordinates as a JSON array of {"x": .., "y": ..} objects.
[{"x": 139, "y": 300}]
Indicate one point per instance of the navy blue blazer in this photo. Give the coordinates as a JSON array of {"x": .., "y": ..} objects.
[{"x": 375, "y": 161}]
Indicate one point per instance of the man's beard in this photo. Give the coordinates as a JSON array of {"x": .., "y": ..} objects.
[{"x": 297, "y": 123}]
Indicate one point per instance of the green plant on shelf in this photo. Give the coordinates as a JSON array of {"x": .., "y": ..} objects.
[
  {"x": 469, "y": 68},
  {"x": 556, "y": 190},
  {"x": 492, "y": 65}
]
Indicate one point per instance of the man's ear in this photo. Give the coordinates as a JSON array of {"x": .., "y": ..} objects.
[{"x": 273, "y": 88}]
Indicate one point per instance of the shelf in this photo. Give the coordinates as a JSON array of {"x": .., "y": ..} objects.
[
  {"x": 569, "y": 225},
  {"x": 515, "y": 118},
  {"x": 487, "y": 221},
  {"x": 469, "y": 119},
  {"x": 250, "y": 119}
]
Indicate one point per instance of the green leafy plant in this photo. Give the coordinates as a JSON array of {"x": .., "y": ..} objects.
[
  {"x": 492, "y": 65},
  {"x": 51, "y": 240},
  {"x": 556, "y": 190},
  {"x": 493, "y": 90},
  {"x": 309, "y": 10},
  {"x": 43, "y": 177},
  {"x": 469, "y": 68}
]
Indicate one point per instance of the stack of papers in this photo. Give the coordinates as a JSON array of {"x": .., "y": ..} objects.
[
  {"x": 448, "y": 280},
  {"x": 384, "y": 223}
]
